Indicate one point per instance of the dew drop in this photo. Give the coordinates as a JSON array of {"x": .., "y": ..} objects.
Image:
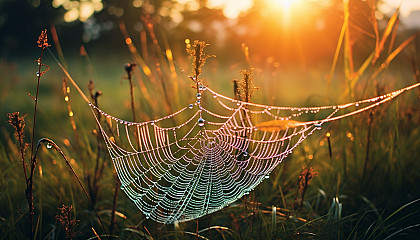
[
  {"x": 122, "y": 187},
  {"x": 269, "y": 109},
  {"x": 38, "y": 74},
  {"x": 190, "y": 106},
  {"x": 201, "y": 88},
  {"x": 198, "y": 101},
  {"x": 357, "y": 104},
  {"x": 49, "y": 146},
  {"x": 214, "y": 96},
  {"x": 318, "y": 126},
  {"x": 267, "y": 176},
  {"x": 200, "y": 122},
  {"x": 198, "y": 96},
  {"x": 246, "y": 154}
]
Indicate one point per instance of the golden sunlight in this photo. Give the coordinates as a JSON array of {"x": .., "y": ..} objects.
[
  {"x": 284, "y": 5},
  {"x": 287, "y": 9}
]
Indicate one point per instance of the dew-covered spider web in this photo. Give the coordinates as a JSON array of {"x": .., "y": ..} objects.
[{"x": 211, "y": 152}]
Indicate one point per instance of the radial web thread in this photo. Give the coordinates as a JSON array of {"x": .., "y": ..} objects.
[{"x": 210, "y": 153}]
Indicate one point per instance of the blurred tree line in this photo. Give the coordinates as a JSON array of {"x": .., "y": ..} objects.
[{"x": 309, "y": 36}]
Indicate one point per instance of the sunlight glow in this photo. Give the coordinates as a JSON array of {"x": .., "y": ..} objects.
[
  {"x": 285, "y": 5},
  {"x": 286, "y": 10},
  {"x": 406, "y": 7},
  {"x": 81, "y": 10},
  {"x": 232, "y": 8}
]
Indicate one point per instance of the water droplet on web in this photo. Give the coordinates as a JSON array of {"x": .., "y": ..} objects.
[
  {"x": 190, "y": 106},
  {"x": 318, "y": 126},
  {"x": 147, "y": 217},
  {"x": 246, "y": 154},
  {"x": 38, "y": 74},
  {"x": 267, "y": 176},
  {"x": 201, "y": 88},
  {"x": 198, "y": 101},
  {"x": 269, "y": 108},
  {"x": 122, "y": 187},
  {"x": 215, "y": 96},
  {"x": 198, "y": 95},
  {"x": 200, "y": 122},
  {"x": 357, "y": 104},
  {"x": 49, "y": 146}
]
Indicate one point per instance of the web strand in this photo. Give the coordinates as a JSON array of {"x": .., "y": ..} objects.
[
  {"x": 215, "y": 156},
  {"x": 218, "y": 153}
]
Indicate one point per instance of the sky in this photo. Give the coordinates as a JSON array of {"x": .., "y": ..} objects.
[
  {"x": 407, "y": 6},
  {"x": 233, "y": 8},
  {"x": 409, "y": 10},
  {"x": 82, "y": 10}
]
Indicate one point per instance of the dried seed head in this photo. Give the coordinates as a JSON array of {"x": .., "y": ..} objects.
[
  {"x": 43, "y": 40},
  {"x": 196, "y": 51},
  {"x": 64, "y": 216},
  {"x": 18, "y": 123},
  {"x": 129, "y": 67},
  {"x": 245, "y": 87}
]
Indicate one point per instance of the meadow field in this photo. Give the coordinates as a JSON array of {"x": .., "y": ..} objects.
[{"x": 356, "y": 178}]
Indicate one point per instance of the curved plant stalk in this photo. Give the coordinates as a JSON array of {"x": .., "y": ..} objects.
[{"x": 51, "y": 144}]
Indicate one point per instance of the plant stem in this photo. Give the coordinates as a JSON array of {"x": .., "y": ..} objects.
[
  {"x": 29, "y": 182},
  {"x": 367, "y": 147},
  {"x": 132, "y": 97},
  {"x": 114, "y": 203}
]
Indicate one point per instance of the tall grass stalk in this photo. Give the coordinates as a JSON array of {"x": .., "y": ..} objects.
[
  {"x": 42, "y": 43},
  {"x": 50, "y": 144},
  {"x": 93, "y": 181},
  {"x": 67, "y": 100},
  {"x": 368, "y": 142}
]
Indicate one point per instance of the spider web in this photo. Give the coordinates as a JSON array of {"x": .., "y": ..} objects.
[{"x": 210, "y": 153}]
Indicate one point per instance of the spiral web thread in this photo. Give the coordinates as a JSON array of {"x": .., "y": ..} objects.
[{"x": 210, "y": 153}]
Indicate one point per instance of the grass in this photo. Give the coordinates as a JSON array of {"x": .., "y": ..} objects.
[{"x": 365, "y": 187}]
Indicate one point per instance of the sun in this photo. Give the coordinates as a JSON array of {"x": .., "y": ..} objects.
[
  {"x": 285, "y": 10},
  {"x": 284, "y": 5}
]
